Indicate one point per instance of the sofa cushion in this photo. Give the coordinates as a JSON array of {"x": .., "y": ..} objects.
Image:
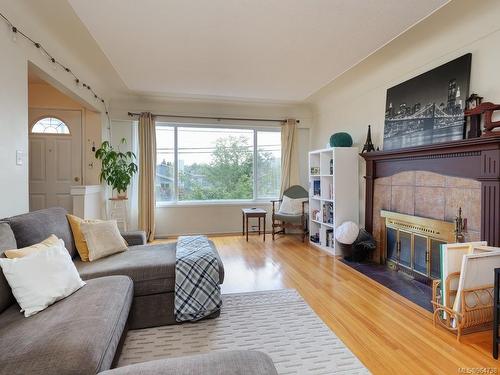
[
  {"x": 294, "y": 219},
  {"x": 7, "y": 242},
  {"x": 77, "y": 335},
  {"x": 152, "y": 267},
  {"x": 36, "y": 226},
  {"x": 155, "y": 310},
  {"x": 135, "y": 237},
  {"x": 241, "y": 362}
]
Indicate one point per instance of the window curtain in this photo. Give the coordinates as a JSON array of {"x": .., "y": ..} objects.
[
  {"x": 289, "y": 162},
  {"x": 147, "y": 171},
  {"x": 134, "y": 188}
]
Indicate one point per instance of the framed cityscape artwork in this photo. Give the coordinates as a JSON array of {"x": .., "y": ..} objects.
[{"x": 429, "y": 108}]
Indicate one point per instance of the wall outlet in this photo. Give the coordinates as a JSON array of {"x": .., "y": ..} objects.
[{"x": 19, "y": 157}]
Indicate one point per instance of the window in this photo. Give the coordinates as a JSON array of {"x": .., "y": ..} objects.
[
  {"x": 201, "y": 163},
  {"x": 50, "y": 125}
]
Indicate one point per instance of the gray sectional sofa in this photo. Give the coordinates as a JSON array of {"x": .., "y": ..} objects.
[{"x": 82, "y": 334}]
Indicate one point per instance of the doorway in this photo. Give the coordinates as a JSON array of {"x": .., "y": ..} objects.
[{"x": 55, "y": 157}]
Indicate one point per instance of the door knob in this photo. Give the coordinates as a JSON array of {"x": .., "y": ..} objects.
[{"x": 77, "y": 179}]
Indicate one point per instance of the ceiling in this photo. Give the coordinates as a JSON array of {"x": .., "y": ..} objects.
[{"x": 281, "y": 50}]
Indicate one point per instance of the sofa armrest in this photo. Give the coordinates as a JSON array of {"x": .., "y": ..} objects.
[
  {"x": 134, "y": 238},
  {"x": 216, "y": 363}
]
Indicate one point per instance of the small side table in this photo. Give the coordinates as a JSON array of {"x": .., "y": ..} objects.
[
  {"x": 247, "y": 213},
  {"x": 117, "y": 210}
]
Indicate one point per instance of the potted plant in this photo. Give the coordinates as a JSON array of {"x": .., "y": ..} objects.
[{"x": 117, "y": 168}]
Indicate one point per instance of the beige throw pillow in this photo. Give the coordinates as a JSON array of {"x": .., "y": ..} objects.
[
  {"x": 103, "y": 238},
  {"x": 290, "y": 206},
  {"x": 52, "y": 240}
]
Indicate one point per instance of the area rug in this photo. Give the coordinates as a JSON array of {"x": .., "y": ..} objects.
[{"x": 279, "y": 323}]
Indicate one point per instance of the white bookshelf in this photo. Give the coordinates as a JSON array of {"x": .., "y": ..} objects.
[{"x": 338, "y": 198}]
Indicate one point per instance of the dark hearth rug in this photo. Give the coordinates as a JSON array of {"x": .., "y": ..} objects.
[{"x": 398, "y": 282}]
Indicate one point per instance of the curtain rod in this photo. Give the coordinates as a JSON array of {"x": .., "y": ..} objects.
[{"x": 132, "y": 114}]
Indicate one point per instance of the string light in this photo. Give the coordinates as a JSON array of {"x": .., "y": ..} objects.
[{"x": 16, "y": 32}]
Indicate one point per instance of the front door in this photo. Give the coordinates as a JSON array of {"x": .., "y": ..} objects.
[{"x": 55, "y": 157}]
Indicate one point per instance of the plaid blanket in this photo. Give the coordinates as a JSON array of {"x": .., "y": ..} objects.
[{"x": 197, "y": 289}]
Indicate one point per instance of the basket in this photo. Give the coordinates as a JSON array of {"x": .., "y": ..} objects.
[{"x": 476, "y": 307}]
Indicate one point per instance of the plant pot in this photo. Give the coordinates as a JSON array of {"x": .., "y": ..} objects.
[{"x": 119, "y": 196}]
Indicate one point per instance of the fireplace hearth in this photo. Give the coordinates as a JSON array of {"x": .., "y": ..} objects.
[{"x": 399, "y": 282}]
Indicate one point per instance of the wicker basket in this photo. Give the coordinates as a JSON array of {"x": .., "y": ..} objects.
[{"x": 477, "y": 307}]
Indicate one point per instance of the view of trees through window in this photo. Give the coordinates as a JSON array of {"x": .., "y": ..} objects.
[{"x": 217, "y": 163}]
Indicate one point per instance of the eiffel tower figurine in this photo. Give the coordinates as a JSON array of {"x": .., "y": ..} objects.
[{"x": 368, "y": 147}]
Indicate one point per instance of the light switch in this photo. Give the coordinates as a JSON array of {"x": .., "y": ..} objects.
[{"x": 19, "y": 157}]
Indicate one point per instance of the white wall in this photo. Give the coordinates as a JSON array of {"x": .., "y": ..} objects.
[
  {"x": 14, "y": 92},
  {"x": 13, "y": 128},
  {"x": 210, "y": 218},
  {"x": 357, "y": 98}
]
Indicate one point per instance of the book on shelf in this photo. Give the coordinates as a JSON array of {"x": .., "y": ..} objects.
[
  {"x": 315, "y": 215},
  {"x": 329, "y": 238},
  {"x": 316, "y": 188},
  {"x": 328, "y": 212}
]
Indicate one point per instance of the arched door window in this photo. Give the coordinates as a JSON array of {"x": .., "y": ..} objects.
[{"x": 50, "y": 125}]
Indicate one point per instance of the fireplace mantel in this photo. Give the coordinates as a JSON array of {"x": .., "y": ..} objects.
[{"x": 477, "y": 159}]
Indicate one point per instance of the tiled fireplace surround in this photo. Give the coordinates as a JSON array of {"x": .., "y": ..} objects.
[
  {"x": 434, "y": 181},
  {"x": 429, "y": 195}
]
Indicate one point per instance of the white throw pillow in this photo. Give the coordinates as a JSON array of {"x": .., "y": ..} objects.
[
  {"x": 42, "y": 278},
  {"x": 290, "y": 206},
  {"x": 347, "y": 232},
  {"x": 103, "y": 238}
]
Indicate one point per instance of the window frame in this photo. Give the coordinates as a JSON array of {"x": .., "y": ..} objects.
[
  {"x": 214, "y": 202},
  {"x": 50, "y": 134}
]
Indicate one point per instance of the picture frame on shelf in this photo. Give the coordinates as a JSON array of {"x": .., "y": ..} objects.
[{"x": 315, "y": 171}]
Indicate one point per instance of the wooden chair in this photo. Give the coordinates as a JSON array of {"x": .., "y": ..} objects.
[{"x": 281, "y": 221}]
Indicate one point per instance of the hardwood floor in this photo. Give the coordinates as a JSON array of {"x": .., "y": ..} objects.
[{"x": 389, "y": 334}]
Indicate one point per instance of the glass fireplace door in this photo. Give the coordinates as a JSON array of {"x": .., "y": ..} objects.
[
  {"x": 405, "y": 245},
  {"x": 413, "y": 253},
  {"x": 420, "y": 254}
]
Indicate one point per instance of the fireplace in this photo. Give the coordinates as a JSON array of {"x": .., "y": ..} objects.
[
  {"x": 411, "y": 179},
  {"x": 412, "y": 198},
  {"x": 411, "y": 244}
]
